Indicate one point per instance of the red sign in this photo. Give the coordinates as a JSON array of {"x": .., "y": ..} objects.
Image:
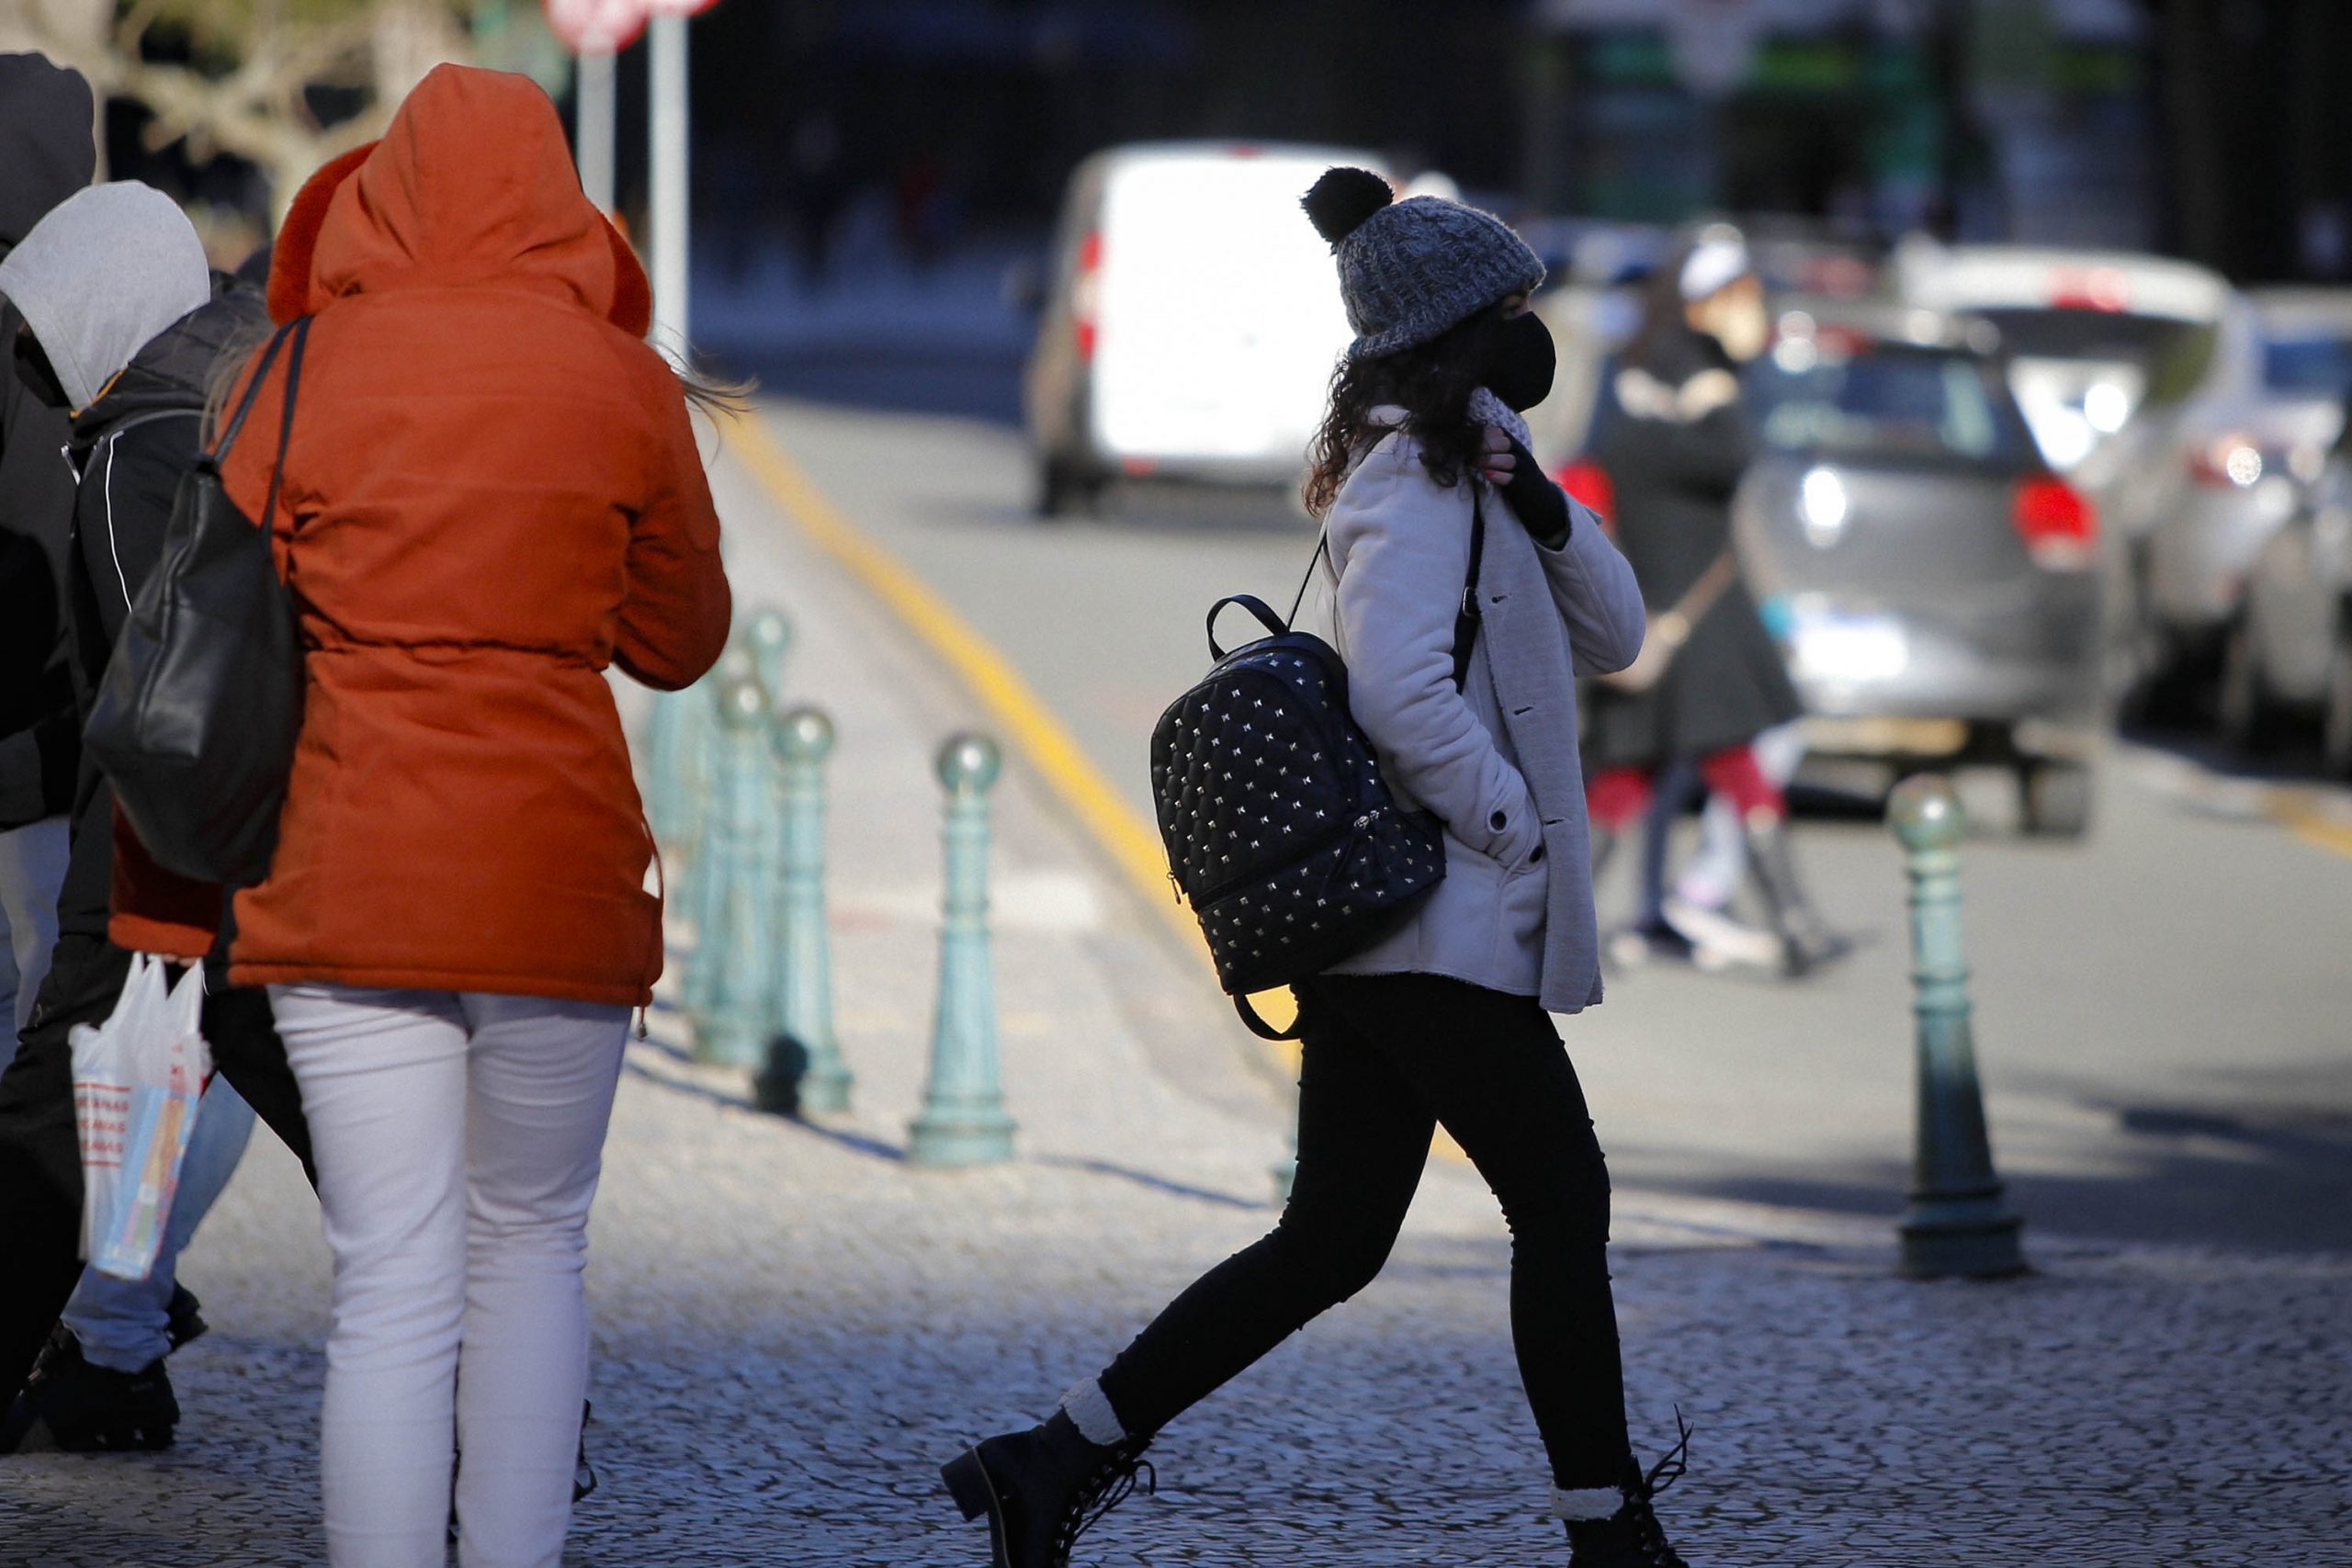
[{"x": 610, "y": 26}]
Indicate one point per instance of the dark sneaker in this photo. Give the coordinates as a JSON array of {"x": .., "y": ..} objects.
[
  {"x": 187, "y": 1323},
  {"x": 1042, "y": 1489},
  {"x": 73, "y": 1404},
  {"x": 1631, "y": 1537}
]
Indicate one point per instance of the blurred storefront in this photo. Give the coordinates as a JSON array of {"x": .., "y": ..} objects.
[{"x": 2026, "y": 119}]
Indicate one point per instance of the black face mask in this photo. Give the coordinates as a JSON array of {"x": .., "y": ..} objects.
[
  {"x": 1519, "y": 360},
  {"x": 39, "y": 375}
]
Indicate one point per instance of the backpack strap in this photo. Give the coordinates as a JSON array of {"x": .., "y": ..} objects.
[
  {"x": 1259, "y": 1026},
  {"x": 253, "y": 389},
  {"x": 1255, "y": 606},
  {"x": 301, "y": 328},
  {"x": 1465, "y": 620}
]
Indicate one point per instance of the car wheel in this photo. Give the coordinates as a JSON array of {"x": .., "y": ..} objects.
[
  {"x": 2247, "y": 717},
  {"x": 2054, "y": 799},
  {"x": 1062, "y": 490},
  {"x": 2335, "y": 718}
]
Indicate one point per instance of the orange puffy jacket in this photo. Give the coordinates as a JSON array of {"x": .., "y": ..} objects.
[{"x": 492, "y": 496}]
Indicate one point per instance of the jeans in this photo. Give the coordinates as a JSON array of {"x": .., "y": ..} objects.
[
  {"x": 1387, "y": 1058},
  {"x": 458, "y": 1139},
  {"x": 41, "y": 1162},
  {"x": 121, "y": 1323},
  {"x": 32, "y": 868}
]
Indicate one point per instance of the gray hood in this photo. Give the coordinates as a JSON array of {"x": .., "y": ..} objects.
[
  {"x": 110, "y": 268},
  {"x": 47, "y": 149}
]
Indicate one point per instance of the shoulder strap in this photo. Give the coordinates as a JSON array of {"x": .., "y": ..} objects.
[
  {"x": 1465, "y": 620},
  {"x": 253, "y": 389},
  {"x": 1701, "y": 596},
  {"x": 300, "y": 327}
]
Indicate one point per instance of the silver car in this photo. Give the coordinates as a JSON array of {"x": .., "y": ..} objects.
[
  {"x": 2230, "y": 467},
  {"x": 1939, "y": 587},
  {"x": 2289, "y": 656}
]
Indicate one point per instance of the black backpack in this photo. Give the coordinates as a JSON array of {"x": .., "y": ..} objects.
[
  {"x": 1280, "y": 829},
  {"x": 196, "y": 716}
]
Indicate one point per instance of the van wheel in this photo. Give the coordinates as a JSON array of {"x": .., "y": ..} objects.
[
  {"x": 2054, "y": 799},
  {"x": 2336, "y": 718},
  {"x": 1063, "y": 490},
  {"x": 2249, "y": 717}
]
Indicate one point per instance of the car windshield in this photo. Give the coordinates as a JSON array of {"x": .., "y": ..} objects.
[
  {"x": 2319, "y": 365},
  {"x": 2172, "y": 352},
  {"x": 1892, "y": 401}
]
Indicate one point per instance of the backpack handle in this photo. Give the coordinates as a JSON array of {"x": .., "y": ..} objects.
[{"x": 1255, "y": 606}]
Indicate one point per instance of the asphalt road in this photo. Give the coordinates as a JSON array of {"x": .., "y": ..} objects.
[{"x": 2164, "y": 1013}]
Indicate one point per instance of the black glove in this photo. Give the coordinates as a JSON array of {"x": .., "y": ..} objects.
[{"x": 1535, "y": 501}]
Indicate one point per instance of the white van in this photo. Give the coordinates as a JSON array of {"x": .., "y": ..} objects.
[{"x": 1192, "y": 321}]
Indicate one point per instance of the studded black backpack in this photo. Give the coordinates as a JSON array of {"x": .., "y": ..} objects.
[{"x": 1281, "y": 832}]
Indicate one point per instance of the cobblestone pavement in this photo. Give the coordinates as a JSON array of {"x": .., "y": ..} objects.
[{"x": 793, "y": 1327}]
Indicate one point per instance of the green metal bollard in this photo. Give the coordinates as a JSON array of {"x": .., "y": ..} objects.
[
  {"x": 1958, "y": 1222},
  {"x": 805, "y": 1069},
  {"x": 670, "y": 736},
  {"x": 768, "y": 634},
  {"x": 700, "y": 887},
  {"x": 963, "y": 1119},
  {"x": 734, "y": 959}
]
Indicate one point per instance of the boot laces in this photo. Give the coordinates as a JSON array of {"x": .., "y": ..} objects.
[
  {"x": 1649, "y": 1534},
  {"x": 1109, "y": 1487}
]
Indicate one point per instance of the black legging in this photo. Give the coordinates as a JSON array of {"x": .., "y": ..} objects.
[{"x": 1386, "y": 1059}]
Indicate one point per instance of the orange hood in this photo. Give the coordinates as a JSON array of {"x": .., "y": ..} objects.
[{"x": 472, "y": 183}]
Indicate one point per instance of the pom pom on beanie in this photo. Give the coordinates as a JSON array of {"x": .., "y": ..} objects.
[{"x": 1342, "y": 199}]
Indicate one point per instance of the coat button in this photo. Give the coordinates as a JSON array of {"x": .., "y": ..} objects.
[
  {"x": 1497, "y": 821},
  {"x": 1537, "y": 856}
]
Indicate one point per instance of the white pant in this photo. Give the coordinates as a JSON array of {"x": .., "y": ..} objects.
[{"x": 457, "y": 1139}]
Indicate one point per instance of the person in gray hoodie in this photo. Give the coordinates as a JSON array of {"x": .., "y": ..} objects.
[
  {"x": 47, "y": 152},
  {"x": 122, "y": 325},
  {"x": 1444, "y": 1022}
]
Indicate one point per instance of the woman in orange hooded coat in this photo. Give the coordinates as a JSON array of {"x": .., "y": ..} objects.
[{"x": 491, "y": 494}]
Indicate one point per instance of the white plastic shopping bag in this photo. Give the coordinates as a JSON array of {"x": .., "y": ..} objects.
[{"x": 137, "y": 1079}]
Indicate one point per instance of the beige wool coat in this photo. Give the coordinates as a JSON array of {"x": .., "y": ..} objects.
[{"x": 1497, "y": 760}]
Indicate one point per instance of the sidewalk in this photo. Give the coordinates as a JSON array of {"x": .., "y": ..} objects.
[{"x": 793, "y": 1327}]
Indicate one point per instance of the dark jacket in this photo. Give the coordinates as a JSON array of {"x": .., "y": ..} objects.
[
  {"x": 1674, "y": 461},
  {"x": 46, "y": 154},
  {"x": 132, "y": 447}
]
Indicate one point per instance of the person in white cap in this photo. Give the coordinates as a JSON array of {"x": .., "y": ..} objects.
[{"x": 1674, "y": 437}]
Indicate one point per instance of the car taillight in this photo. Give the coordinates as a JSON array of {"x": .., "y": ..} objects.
[
  {"x": 1083, "y": 289},
  {"x": 2059, "y": 526},
  {"x": 1589, "y": 482}
]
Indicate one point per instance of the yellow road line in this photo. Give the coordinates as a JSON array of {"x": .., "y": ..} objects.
[
  {"x": 2292, "y": 811},
  {"x": 1131, "y": 842}
]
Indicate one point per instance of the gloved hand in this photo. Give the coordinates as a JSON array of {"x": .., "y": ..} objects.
[{"x": 1535, "y": 501}]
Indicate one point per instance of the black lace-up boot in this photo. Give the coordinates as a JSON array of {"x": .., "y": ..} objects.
[
  {"x": 1631, "y": 1537},
  {"x": 72, "y": 1403},
  {"x": 1043, "y": 1488}
]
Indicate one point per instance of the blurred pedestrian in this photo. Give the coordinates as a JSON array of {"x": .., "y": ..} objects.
[
  {"x": 1443, "y": 1023},
  {"x": 47, "y": 152},
  {"x": 492, "y": 494},
  {"x": 1673, "y": 434},
  {"x": 122, "y": 326}
]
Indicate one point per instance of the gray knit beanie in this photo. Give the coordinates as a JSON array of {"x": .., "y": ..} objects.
[
  {"x": 110, "y": 268},
  {"x": 1411, "y": 269}
]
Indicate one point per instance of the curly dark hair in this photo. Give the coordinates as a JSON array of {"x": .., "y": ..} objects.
[{"x": 1431, "y": 381}]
